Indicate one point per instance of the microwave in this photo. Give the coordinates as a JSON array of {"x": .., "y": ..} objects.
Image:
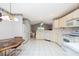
[{"x": 72, "y": 22}]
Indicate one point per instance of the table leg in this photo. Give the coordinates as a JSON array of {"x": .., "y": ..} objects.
[{"x": 5, "y": 53}]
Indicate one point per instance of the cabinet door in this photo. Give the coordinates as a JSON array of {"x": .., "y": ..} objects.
[
  {"x": 56, "y": 23},
  {"x": 75, "y": 14},
  {"x": 71, "y": 16},
  {"x": 55, "y": 35},
  {"x": 61, "y": 23}
]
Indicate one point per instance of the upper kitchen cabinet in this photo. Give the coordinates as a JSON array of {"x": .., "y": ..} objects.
[
  {"x": 56, "y": 24},
  {"x": 72, "y": 19},
  {"x": 61, "y": 23},
  {"x": 75, "y": 14},
  {"x": 69, "y": 20}
]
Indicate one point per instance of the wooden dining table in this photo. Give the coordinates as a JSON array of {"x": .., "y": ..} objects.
[{"x": 11, "y": 43}]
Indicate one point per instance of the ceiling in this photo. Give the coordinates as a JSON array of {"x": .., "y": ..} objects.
[{"x": 37, "y": 12}]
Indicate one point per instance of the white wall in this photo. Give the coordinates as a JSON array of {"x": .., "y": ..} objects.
[
  {"x": 18, "y": 26},
  {"x": 10, "y": 29},
  {"x": 6, "y": 30}
]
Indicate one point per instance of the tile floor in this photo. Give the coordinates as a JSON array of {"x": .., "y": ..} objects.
[{"x": 41, "y": 48}]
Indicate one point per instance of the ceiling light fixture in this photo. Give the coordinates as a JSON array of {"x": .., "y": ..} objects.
[
  {"x": 12, "y": 17},
  {"x": 16, "y": 19},
  {"x": 4, "y": 17}
]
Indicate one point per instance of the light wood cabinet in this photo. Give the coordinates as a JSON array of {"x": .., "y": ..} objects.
[
  {"x": 56, "y": 23},
  {"x": 75, "y": 14},
  {"x": 57, "y": 36},
  {"x": 60, "y": 23}
]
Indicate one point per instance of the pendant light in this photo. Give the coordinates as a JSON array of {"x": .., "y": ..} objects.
[
  {"x": 12, "y": 18},
  {"x": 10, "y": 13},
  {"x": 8, "y": 18}
]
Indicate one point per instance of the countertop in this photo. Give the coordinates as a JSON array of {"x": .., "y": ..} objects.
[{"x": 73, "y": 46}]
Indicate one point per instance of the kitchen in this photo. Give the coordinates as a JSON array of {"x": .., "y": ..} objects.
[{"x": 39, "y": 29}]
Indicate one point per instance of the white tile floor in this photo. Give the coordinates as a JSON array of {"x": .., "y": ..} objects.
[{"x": 41, "y": 48}]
